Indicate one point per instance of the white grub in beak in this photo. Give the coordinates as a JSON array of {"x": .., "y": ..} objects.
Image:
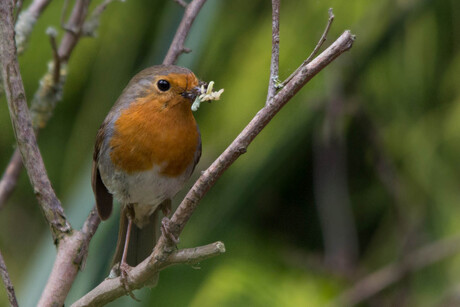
[{"x": 206, "y": 94}]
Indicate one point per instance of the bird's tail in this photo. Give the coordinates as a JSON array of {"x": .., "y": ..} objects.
[{"x": 141, "y": 242}]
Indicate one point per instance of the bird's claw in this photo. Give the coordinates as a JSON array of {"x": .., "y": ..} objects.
[
  {"x": 165, "y": 230},
  {"x": 124, "y": 275}
]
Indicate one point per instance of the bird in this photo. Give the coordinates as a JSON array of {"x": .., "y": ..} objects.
[{"x": 145, "y": 151}]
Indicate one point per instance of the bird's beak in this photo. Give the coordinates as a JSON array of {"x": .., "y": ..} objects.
[{"x": 194, "y": 92}]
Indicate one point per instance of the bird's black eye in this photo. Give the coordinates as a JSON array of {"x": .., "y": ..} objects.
[{"x": 163, "y": 85}]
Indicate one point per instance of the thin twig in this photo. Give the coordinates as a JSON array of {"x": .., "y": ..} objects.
[
  {"x": 97, "y": 12},
  {"x": 318, "y": 46},
  {"x": 323, "y": 37},
  {"x": 18, "y": 9},
  {"x": 64, "y": 11},
  {"x": 73, "y": 29},
  {"x": 181, "y": 3},
  {"x": 26, "y": 21},
  {"x": 24, "y": 26},
  {"x": 7, "y": 282},
  {"x": 52, "y": 33},
  {"x": 88, "y": 230},
  {"x": 90, "y": 26},
  {"x": 90, "y": 225},
  {"x": 10, "y": 177},
  {"x": 262, "y": 118},
  {"x": 110, "y": 289},
  {"x": 392, "y": 273},
  {"x": 177, "y": 46},
  {"x": 22, "y": 125},
  {"x": 274, "y": 65},
  {"x": 37, "y": 7},
  {"x": 50, "y": 92},
  {"x": 193, "y": 256}
]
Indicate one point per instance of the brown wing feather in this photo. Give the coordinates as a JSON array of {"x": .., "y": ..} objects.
[
  {"x": 104, "y": 200},
  {"x": 198, "y": 150}
]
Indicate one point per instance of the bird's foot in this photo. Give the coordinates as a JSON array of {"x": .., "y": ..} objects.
[
  {"x": 166, "y": 232},
  {"x": 124, "y": 276}
]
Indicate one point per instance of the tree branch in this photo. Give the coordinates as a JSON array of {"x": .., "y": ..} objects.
[
  {"x": 10, "y": 177},
  {"x": 26, "y": 21},
  {"x": 70, "y": 258},
  {"x": 52, "y": 33},
  {"x": 192, "y": 256},
  {"x": 24, "y": 26},
  {"x": 322, "y": 39},
  {"x": 315, "y": 51},
  {"x": 110, "y": 289},
  {"x": 274, "y": 65},
  {"x": 90, "y": 25},
  {"x": 50, "y": 91},
  {"x": 7, "y": 282},
  {"x": 72, "y": 245},
  {"x": 181, "y": 3},
  {"x": 177, "y": 46},
  {"x": 392, "y": 273},
  {"x": 73, "y": 29},
  {"x": 261, "y": 119},
  {"x": 72, "y": 252},
  {"x": 18, "y": 5},
  {"x": 22, "y": 125}
]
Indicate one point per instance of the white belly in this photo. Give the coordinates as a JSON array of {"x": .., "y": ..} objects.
[{"x": 144, "y": 190}]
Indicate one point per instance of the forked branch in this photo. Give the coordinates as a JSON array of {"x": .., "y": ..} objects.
[
  {"x": 111, "y": 289},
  {"x": 177, "y": 46},
  {"x": 22, "y": 125},
  {"x": 317, "y": 47},
  {"x": 72, "y": 252}
]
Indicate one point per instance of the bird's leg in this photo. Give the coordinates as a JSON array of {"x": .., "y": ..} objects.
[
  {"x": 124, "y": 266},
  {"x": 166, "y": 209}
]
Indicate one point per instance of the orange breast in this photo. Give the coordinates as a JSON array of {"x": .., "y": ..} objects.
[{"x": 148, "y": 134}]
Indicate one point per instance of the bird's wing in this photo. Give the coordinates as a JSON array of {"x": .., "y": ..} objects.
[
  {"x": 104, "y": 200},
  {"x": 198, "y": 151}
]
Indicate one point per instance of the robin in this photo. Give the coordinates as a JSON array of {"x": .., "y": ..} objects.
[{"x": 146, "y": 149}]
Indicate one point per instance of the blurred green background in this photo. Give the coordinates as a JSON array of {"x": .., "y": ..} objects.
[{"x": 359, "y": 170}]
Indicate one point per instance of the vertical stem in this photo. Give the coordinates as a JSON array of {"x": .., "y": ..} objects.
[
  {"x": 177, "y": 45},
  {"x": 10, "y": 177},
  {"x": 7, "y": 282},
  {"x": 274, "y": 65},
  {"x": 22, "y": 126}
]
